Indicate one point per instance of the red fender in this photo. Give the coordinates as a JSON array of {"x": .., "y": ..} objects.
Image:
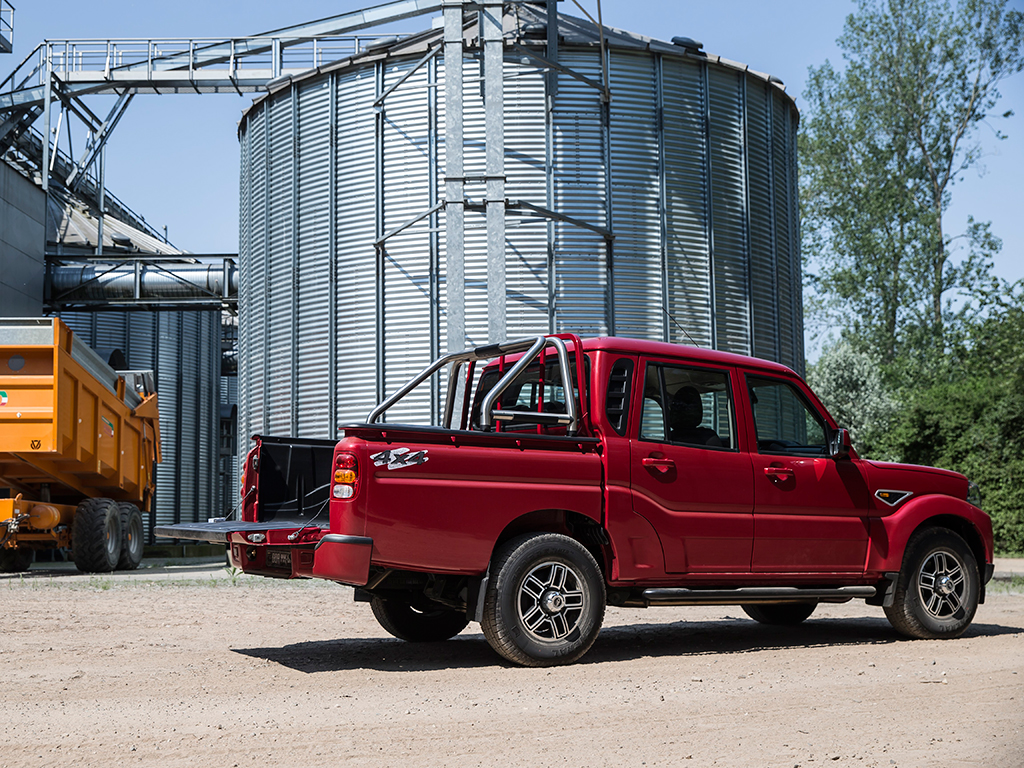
[{"x": 889, "y": 534}]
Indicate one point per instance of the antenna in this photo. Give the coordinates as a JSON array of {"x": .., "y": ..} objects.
[{"x": 680, "y": 328}]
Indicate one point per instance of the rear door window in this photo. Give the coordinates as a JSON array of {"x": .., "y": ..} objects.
[{"x": 687, "y": 406}]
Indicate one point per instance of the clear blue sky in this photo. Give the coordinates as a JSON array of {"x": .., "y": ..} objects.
[{"x": 174, "y": 159}]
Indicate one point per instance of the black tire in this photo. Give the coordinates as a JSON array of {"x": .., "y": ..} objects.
[
  {"x": 132, "y": 542},
  {"x": 780, "y": 614},
  {"x": 937, "y": 591},
  {"x": 545, "y": 600},
  {"x": 96, "y": 536},
  {"x": 15, "y": 560},
  {"x": 417, "y": 626}
]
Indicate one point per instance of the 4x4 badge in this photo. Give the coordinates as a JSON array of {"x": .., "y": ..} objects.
[{"x": 397, "y": 458}]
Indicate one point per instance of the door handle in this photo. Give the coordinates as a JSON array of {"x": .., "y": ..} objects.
[
  {"x": 779, "y": 473},
  {"x": 662, "y": 465}
]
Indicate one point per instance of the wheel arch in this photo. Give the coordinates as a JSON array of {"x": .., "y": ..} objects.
[
  {"x": 576, "y": 525},
  {"x": 891, "y": 534},
  {"x": 963, "y": 528}
]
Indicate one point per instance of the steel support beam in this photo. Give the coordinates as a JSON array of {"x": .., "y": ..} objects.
[
  {"x": 550, "y": 92},
  {"x": 45, "y": 164},
  {"x": 430, "y": 54},
  {"x": 556, "y": 216},
  {"x": 99, "y": 141},
  {"x": 455, "y": 279},
  {"x": 494, "y": 141},
  {"x": 102, "y": 181}
]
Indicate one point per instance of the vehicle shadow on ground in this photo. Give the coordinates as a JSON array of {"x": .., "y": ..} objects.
[{"x": 615, "y": 643}]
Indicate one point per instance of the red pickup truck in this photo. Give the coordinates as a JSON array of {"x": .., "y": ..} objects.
[{"x": 673, "y": 476}]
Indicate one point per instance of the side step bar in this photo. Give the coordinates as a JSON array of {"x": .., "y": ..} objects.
[{"x": 749, "y": 595}]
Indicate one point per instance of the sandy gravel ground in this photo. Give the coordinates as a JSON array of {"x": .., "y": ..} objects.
[{"x": 185, "y": 667}]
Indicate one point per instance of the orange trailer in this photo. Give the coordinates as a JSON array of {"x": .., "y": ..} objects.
[{"x": 78, "y": 447}]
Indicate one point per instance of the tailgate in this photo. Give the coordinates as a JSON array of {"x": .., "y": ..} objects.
[
  {"x": 220, "y": 531},
  {"x": 280, "y": 550}
]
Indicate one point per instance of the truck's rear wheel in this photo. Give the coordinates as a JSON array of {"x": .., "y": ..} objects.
[
  {"x": 414, "y": 625},
  {"x": 937, "y": 590},
  {"x": 15, "y": 560},
  {"x": 545, "y": 600},
  {"x": 96, "y": 536},
  {"x": 131, "y": 537},
  {"x": 781, "y": 614}
]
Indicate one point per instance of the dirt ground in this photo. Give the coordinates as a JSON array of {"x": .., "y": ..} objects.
[{"x": 189, "y": 667}]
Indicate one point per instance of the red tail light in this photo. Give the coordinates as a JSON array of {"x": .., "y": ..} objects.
[{"x": 346, "y": 475}]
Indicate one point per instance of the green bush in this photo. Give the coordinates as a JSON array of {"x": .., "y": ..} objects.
[{"x": 974, "y": 426}]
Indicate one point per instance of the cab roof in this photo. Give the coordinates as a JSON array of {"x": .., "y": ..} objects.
[
  {"x": 663, "y": 349},
  {"x": 686, "y": 351}
]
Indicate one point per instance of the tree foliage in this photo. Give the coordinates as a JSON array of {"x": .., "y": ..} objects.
[
  {"x": 885, "y": 138},
  {"x": 973, "y": 421},
  {"x": 882, "y": 144},
  {"x": 850, "y": 384}
]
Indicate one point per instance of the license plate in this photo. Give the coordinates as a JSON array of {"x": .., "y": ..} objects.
[{"x": 278, "y": 559}]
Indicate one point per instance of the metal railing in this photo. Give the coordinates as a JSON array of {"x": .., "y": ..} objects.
[
  {"x": 240, "y": 62},
  {"x": 190, "y": 54}
]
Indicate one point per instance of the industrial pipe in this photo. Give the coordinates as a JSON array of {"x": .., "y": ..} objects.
[{"x": 142, "y": 279}]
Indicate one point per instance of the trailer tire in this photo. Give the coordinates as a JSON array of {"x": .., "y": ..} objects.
[
  {"x": 132, "y": 541},
  {"x": 414, "y": 625},
  {"x": 545, "y": 600},
  {"x": 96, "y": 536},
  {"x": 15, "y": 560}
]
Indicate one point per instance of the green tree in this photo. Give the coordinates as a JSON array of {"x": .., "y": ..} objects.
[
  {"x": 972, "y": 420},
  {"x": 850, "y": 384},
  {"x": 882, "y": 144}
]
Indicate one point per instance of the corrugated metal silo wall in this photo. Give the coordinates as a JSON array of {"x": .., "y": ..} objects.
[
  {"x": 183, "y": 348},
  {"x": 695, "y": 173}
]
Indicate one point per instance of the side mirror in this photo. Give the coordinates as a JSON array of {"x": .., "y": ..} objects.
[{"x": 840, "y": 446}]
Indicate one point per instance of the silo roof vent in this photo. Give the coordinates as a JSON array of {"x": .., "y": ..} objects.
[{"x": 688, "y": 43}]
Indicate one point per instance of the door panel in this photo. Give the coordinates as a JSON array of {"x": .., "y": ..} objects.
[
  {"x": 688, "y": 477},
  {"x": 810, "y": 511}
]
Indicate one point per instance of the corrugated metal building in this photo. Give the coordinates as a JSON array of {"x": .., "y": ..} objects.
[{"x": 693, "y": 168}]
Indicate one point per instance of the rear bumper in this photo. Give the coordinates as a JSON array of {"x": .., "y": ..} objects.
[{"x": 345, "y": 559}]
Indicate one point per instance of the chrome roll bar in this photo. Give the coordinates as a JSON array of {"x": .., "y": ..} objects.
[{"x": 532, "y": 346}]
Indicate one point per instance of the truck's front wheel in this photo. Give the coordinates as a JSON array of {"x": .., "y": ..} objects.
[
  {"x": 414, "y": 625},
  {"x": 938, "y": 587},
  {"x": 545, "y": 600}
]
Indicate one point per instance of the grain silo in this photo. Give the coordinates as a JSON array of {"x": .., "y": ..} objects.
[{"x": 670, "y": 212}]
